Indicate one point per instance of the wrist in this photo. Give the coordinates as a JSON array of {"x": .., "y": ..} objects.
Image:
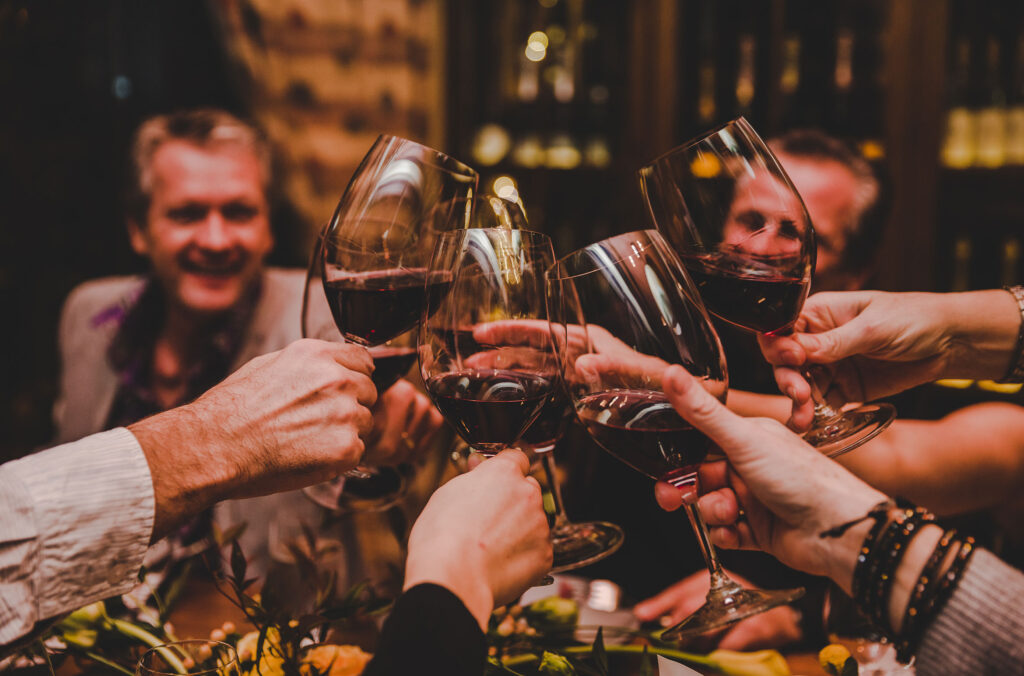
[
  {"x": 916, "y": 555},
  {"x": 454, "y": 574},
  {"x": 983, "y": 331},
  {"x": 184, "y": 465}
]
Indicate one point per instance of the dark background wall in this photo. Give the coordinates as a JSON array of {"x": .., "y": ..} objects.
[{"x": 75, "y": 79}]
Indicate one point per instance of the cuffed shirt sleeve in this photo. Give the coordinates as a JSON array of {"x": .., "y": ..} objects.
[{"x": 75, "y": 523}]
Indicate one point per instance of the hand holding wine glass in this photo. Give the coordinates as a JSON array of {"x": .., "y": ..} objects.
[
  {"x": 623, "y": 311},
  {"x": 876, "y": 344},
  {"x": 741, "y": 229}
]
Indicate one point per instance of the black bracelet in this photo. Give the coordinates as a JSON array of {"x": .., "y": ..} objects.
[
  {"x": 891, "y": 558},
  {"x": 948, "y": 582},
  {"x": 922, "y": 593},
  {"x": 880, "y": 514}
]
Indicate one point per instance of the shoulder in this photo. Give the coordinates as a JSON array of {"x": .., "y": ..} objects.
[
  {"x": 284, "y": 280},
  {"x": 100, "y": 301}
]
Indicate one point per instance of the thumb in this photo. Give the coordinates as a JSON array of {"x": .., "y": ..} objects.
[
  {"x": 839, "y": 343},
  {"x": 702, "y": 410},
  {"x": 513, "y": 456}
]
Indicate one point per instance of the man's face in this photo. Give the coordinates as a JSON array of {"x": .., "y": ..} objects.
[
  {"x": 829, "y": 192},
  {"x": 765, "y": 218},
  {"x": 207, "y": 230}
]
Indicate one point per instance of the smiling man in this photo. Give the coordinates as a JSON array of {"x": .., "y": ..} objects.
[
  {"x": 133, "y": 346},
  {"x": 197, "y": 209}
]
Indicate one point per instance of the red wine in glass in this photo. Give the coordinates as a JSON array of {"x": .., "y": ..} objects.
[
  {"x": 390, "y": 364},
  {"x": 551, "y": 423},
  {"x": 745, "y": 293},
  {"x": 490, "y": 408},
  {"x": 641, "y": 428},
  {"x": 375, "y": 306}
]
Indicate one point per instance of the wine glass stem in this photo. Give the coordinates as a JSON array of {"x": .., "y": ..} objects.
[
  {"x": 547, "y": 459},
  {"x": 822, "y": 410},
  {"x": 721, "y": 584}
]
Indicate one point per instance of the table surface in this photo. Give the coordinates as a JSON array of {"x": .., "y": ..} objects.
[{"x": 201, "y": 608}]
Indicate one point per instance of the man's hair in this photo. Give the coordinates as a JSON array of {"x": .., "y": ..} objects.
[
  {"x": 208, "y": 128},
  {"x": 871, "y": 201}
]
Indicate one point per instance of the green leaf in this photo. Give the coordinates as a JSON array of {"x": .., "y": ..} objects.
[
  {"x": 600, "y": 656},
  {"x": 646, "y": 664},
  {"x": 238, "y": 563}
]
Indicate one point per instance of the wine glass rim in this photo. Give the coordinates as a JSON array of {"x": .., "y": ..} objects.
[
  {"x": 694, "y": 140},
  {"x": 442, "y": 160},
  {"x": 192, "y": 641},
  {"x": 652, "y": 235}
]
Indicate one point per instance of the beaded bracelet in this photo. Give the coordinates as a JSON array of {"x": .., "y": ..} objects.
[
  {"x": 947, "y": 584},
  {"x": 891, "y": 557},
  {"x": 880, "y": 515},
  {"x": 889, "y": 552},
  {"x": 913, "y": 618},
  {"x": 1015, "y": 373}
]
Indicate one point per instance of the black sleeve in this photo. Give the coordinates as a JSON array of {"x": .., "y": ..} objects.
[{"x": 429, "y": 631}]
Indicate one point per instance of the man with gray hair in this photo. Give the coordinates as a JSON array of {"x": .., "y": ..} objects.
[{"x": 197, "y": 208}]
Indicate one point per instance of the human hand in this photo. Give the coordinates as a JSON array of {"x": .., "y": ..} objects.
[
  {"x": 483, "y": 535},
  {"x": 771, "y": 629},
  {"x": 284, "y": 420},
  {"x": 789, "y": 491},
  {"x": 405, "y": 423},
  {"x": 876, "y": 344}
]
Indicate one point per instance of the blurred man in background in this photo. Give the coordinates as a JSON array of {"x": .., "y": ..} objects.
[{"x": 198, "y": 210}]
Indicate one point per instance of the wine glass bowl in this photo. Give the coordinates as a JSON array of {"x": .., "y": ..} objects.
[
  {"x": 489, "y": 364},
  {"x": 488, "y": 376},
  {"x": 367, "y": 281},
  {"x": 194, "y": 657},
  {"x": 733, "y": 216},
  {"x": 622, "y": 311}
]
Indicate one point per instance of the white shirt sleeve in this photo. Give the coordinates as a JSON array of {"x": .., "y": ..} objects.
[{"x": 75, "y": 523}]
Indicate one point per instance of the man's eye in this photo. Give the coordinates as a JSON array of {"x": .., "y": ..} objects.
[
  {"x": 752, "y": 220},
  {"x": 188, "y": 214},
  {"x": 239, "y": 212},
  {"x": 789, "y": 230}
]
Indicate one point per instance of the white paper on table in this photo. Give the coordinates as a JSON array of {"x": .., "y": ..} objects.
[{"x": 667, "y": 667}]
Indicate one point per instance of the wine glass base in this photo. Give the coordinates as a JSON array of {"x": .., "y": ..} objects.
[
  {"x": 581, "y": 544},
  {"x": 383, "y": 488},
  {"x": 724, "y": 609},
  {"x": 850, "y": 429}
]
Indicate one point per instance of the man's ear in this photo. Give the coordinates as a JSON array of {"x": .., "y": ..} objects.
[{"x": 140, "y": 244}]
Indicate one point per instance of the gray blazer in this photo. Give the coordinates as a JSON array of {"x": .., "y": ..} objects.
[{"x": 88, "y": 382}]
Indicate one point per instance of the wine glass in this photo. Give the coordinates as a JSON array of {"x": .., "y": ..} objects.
[
  {"x": 365, "y": 487},
  {"x": 371, "y": 261},
  {"x": 622, "y": 310},
  {"x": 196, "y": 657},
  {"x": 741, "y": 229},
  {"x": 489, "y": 381}
]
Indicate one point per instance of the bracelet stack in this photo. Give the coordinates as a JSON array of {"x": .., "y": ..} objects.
[
  {"x": 1015, "y": 373},
  {"x": 895, "y": 525}
]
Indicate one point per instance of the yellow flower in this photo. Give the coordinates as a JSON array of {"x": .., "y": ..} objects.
[
  {"x": 836, "y": 659},
  {"x": 760, "y": 663},
  {"x": 271, "y": 660},
  {"x": 335, "y": 660}
]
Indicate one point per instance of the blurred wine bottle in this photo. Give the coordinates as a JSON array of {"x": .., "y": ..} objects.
[
  {"x": 959, "y": 146},
  {"x": 992, "y": 113},
  {"x": 1015, "y": 116}
]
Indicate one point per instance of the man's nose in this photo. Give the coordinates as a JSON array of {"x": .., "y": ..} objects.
[{"x": 214, "y": 233}]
